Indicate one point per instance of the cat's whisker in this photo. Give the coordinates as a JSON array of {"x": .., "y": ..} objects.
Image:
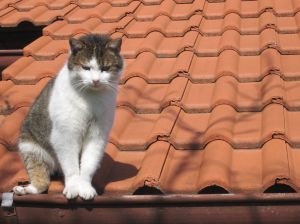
[{"x": 112, "y": 87}]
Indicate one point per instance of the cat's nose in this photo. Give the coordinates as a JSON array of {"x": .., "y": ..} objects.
[{"x": 96, "y": 82}]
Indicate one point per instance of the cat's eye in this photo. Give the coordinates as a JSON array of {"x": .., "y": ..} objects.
[
  {"x": 104, "y": 68},
  {"x": 85, "y": 67}
]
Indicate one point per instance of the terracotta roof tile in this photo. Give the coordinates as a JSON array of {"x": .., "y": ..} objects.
[
  {"x": 209, "y": 95},
  {"x": 250, "y": 8},
  {"x": 245, "y": 68},
  {"x": 18, "y": 96},
  {"x": 170, "y": 9},
  {"x": 45, "y": 48},
  {"x": 12, "y": 170},
  {"x": 64, "y": 30},
  {"x": 236, "y": 170},
  {"x": 27, "y": 70},
  {"x": 255, "y": 25},
  {"x": 141, "y": 171},
  {"x": 93, "y": 3},
  {"x": 292, "y": 124},
  {"x": 157, "y": 70},
  {"x": 39, "y": 15},
  {"x": 27, "y": 5},
  {"x": 163, "y": 24},
  {"x": 240, "y": 129},
  {"x": 159, "y": 45},
  {"x": 103, "y": 11},
  {"x": 5, "y": 11},
  {"x": 133, "y": 131},
  {"x": 4, "y": 4},
  {"x": 248, "y": 96},
  {"x": 247, "y": 44},
  {"x": 10, "y": 126},
  {"x": 142, "y": 97}
]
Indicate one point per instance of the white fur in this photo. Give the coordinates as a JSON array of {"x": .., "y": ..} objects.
[
  {"x": 81, "y": 120},
  {"x": 22, "y": 190}
]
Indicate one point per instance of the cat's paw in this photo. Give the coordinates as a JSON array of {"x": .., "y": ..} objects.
[
  {"x": 71, "y": 189},
  {"x": 86, "y": 191},
  {"x": 22, "y": 190},
  {"x": 19, "y": 190}
]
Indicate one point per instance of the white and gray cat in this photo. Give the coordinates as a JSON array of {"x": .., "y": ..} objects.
[{"x": 68, "y": 125}]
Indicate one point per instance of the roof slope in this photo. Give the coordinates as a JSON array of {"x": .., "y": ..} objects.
[{"x": 209, "y": 96}]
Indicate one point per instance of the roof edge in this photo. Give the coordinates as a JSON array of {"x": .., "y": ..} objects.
[{"x": 258, "y": 198}]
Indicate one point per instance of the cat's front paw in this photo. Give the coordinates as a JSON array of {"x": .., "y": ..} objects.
[
  {"x": 86, "y": 191},
  {"x": 71, "y": 189}
]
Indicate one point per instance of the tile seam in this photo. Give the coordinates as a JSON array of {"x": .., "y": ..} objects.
[
  {"x": 254, "y": 15},
  {"x": 163, "y": 165},
  {"x": 63, "y": 17},
  {"x": 286, "y": 141},
  {"x": 7, "y": 13},
  {"x": 223, "y": 30},
  {"x": 166, "y": 14}
]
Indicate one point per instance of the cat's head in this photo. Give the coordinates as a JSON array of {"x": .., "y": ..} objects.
[{"x": 95, "y": 61}]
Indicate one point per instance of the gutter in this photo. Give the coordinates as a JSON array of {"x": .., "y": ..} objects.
[{"x": 180, "y": 208}]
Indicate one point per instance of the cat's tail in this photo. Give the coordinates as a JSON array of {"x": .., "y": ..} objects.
[{"x": 39, "y": 165}]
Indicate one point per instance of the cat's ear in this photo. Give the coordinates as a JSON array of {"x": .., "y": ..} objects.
[
  {"x": 115, "y": 44},
  {"x": 76, "y": 45}
]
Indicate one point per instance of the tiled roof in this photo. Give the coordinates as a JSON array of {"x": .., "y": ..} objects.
[{"x": 209, "y": 96}]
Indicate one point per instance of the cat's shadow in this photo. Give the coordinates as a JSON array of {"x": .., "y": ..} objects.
[{"x": 112, "y": 171}]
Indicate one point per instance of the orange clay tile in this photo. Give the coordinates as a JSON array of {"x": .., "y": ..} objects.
[
  {"x": 64, "y": 30},
  {"x": 250, "y": 8},
  {"x": 26, "y": 5},
  {"x": 245, "y": 68},
  {"x": 10, "y": 126},
  {"x": 156, "y": 70},
  {"x": 20, "y": 96},
  {"x": 45, "y": 48},
  {"x": 7, "y": 3},
  {"x": 247, "y": 44},
  {"x": 159, "y": 45},
  {"x": 133, "y": 131},
  {"x": 104, "y": 11},
  {"x": 39, "y": 15},
  {"x": 169, "y": 8},
  {"x": 240, "y": 129},
  {"x": 294, "y": 156},
  {"x": 12, "y": 170},
  {"x": 292, "y": 125},
  {"x": 93, "y": 3},
  {"x": 249, "y": 96},
  {"x": 234, "y": 170},
  {"x": 5, "y": 11},
  {"x": 27, "y": 70},
  {"x": 150, "y": 98},
  {"x": 132, "y": 170},
  {"x": 254, "y": 25},
  {"x": 163, "y": 24}
]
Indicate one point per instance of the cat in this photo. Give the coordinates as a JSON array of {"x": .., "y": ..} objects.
[{"x": 68, "y": 125}]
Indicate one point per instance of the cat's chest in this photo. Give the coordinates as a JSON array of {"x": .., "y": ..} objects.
[{"x": 70, "y": 106}]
